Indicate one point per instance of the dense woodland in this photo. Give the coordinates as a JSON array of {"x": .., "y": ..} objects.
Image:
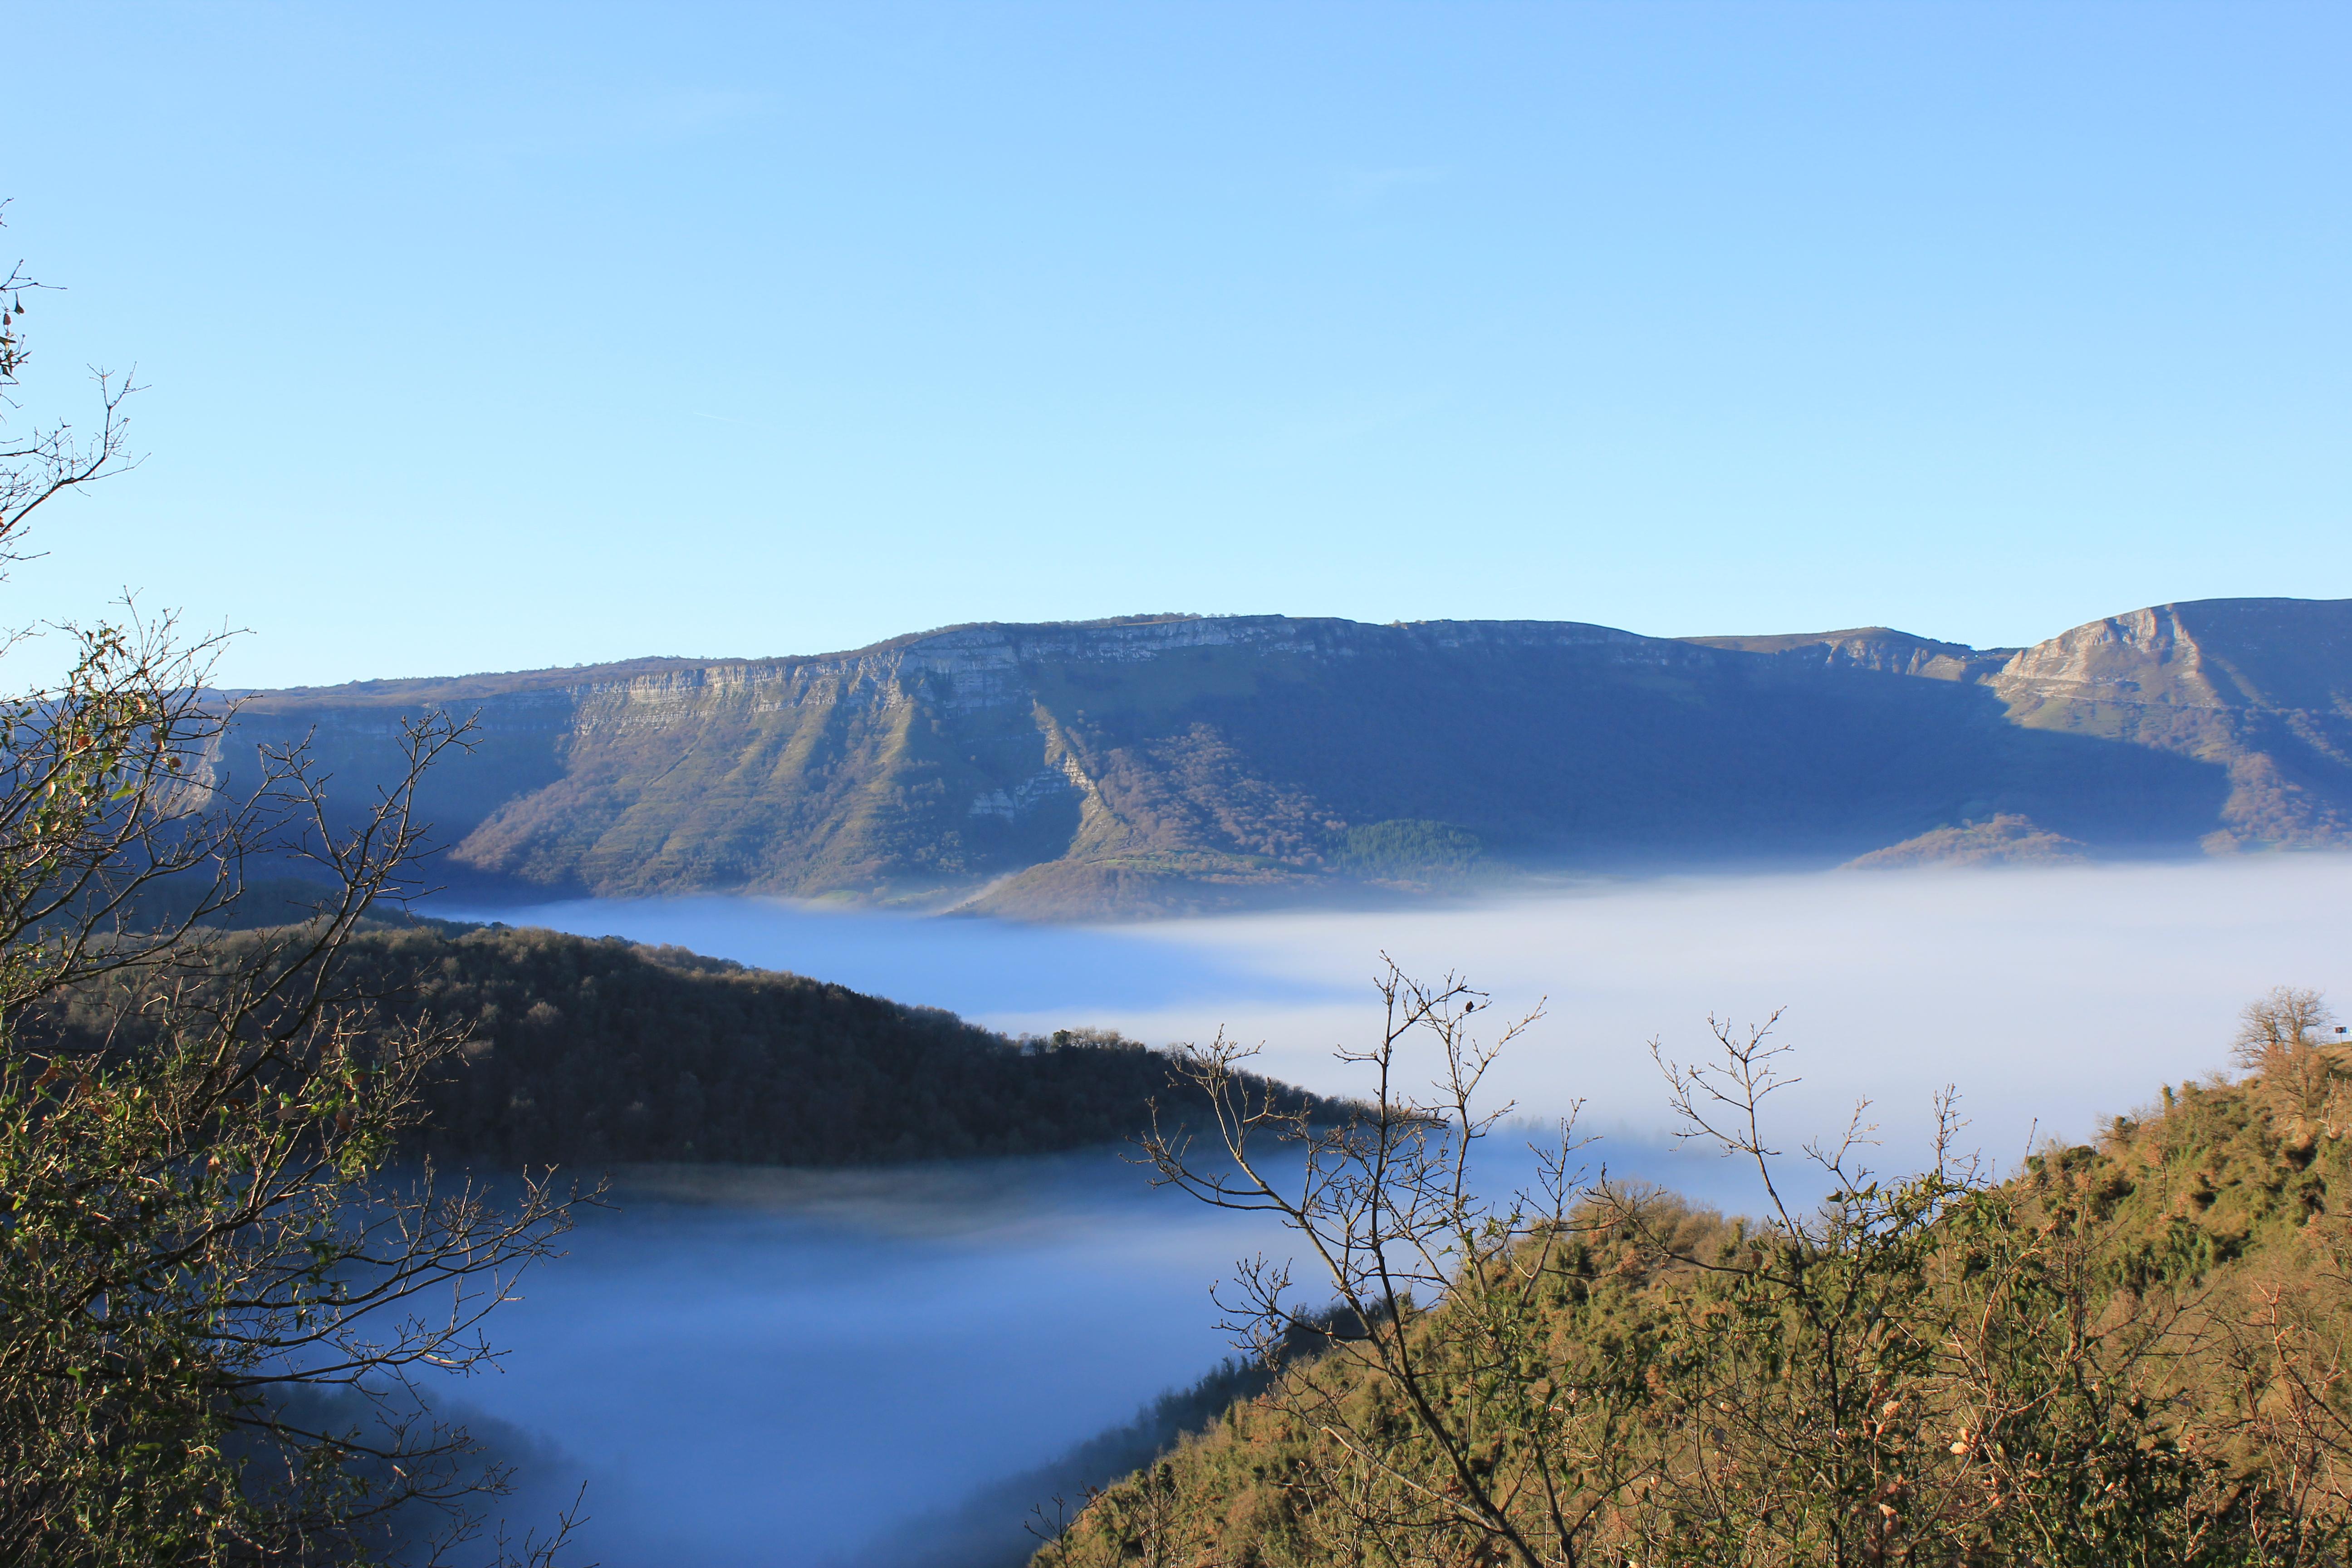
[
  {"x": 2136, "y": 1352},
  {"x": 585, "y": 1050}
]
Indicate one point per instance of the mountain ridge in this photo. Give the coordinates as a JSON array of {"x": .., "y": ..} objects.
[{"x": 1173, "y": 763}]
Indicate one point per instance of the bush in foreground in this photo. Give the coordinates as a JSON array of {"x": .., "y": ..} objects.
[{"x": 2132, "y": 1353}]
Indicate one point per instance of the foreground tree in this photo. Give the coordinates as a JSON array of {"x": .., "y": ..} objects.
[
  {"x": 213, "y": 1304},
  {"x": 2288, "y": 1039},
  {"x": 1441, "y": 1424}
]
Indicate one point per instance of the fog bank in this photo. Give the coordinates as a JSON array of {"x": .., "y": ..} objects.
[
  {"x": 759, "y": 1366},
  {"x": 2049, "y": 997}
]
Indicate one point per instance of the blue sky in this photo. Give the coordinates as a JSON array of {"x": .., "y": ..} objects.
[{"x": 492, "y": 337}]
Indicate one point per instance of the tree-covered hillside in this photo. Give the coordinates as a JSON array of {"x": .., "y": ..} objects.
[
  {"x": 2138, "y": 1351},
  {"x": 584, "y": 1051}
]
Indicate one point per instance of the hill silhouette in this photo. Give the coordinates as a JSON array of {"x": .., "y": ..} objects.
[{"x": 590, "y": 1051}]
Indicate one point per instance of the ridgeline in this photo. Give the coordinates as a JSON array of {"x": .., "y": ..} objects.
[{"x": 1173, "y": 763}]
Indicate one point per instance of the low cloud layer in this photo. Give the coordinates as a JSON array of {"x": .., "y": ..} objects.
[
  {"x": 740, "y": 1356},
  {"x": 2050, "y": 998}
]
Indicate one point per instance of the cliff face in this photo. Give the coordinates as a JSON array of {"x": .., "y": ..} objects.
[
  {"x": 1182, "y": 762},
  {"x": 2260, "y": 688}
]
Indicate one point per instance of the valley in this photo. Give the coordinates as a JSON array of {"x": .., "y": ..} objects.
[{"x": 735, "y": 1347}]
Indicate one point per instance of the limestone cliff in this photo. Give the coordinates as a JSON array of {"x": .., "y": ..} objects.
[
  {"x": 2260, "y": 688},
  {"x": 1167, "y": 764}
]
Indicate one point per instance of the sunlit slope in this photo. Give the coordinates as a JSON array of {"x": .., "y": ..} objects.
[
  {"x": 2260, "y": 688},
  {"x": 1182, "y": 762},
  {"x": 2127, "y": 1346}
]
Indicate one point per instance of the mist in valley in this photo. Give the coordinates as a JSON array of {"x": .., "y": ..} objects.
[
  {"x": 762, "y": 1367},
  {"x": 868, "y": 1366},
  {"x": 2049, "y": 997}
]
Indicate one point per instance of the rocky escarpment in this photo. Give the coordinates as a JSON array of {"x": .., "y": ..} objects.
[
  {"x": 1185, "y": 762},
  {"x": 2260, "y": 688}
]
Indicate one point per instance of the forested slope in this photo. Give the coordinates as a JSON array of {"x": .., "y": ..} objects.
[
  {"x": 591, "y": 1050},
  {"x": 2138, "y": 1351}
]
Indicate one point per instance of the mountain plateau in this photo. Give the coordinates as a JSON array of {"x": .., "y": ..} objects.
[{"x": 1181, "y": 763}]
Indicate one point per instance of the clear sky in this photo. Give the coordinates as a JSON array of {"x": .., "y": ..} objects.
[{"x": 502, "y": 336}]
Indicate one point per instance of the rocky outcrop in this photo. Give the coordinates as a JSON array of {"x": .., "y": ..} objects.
[
  {"x": 2006, "y": 840},
  {"x": 2261, "y": 688}
]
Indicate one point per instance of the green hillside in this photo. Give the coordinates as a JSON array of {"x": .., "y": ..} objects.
[
  {"x": 1172, "y": 763},
  {"x": 2131, "y": 1354}
]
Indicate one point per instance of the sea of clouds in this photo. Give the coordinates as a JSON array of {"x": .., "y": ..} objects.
[
  {"x": 2048, "y": 998},
  {"x": 762, "y": 1366}
]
